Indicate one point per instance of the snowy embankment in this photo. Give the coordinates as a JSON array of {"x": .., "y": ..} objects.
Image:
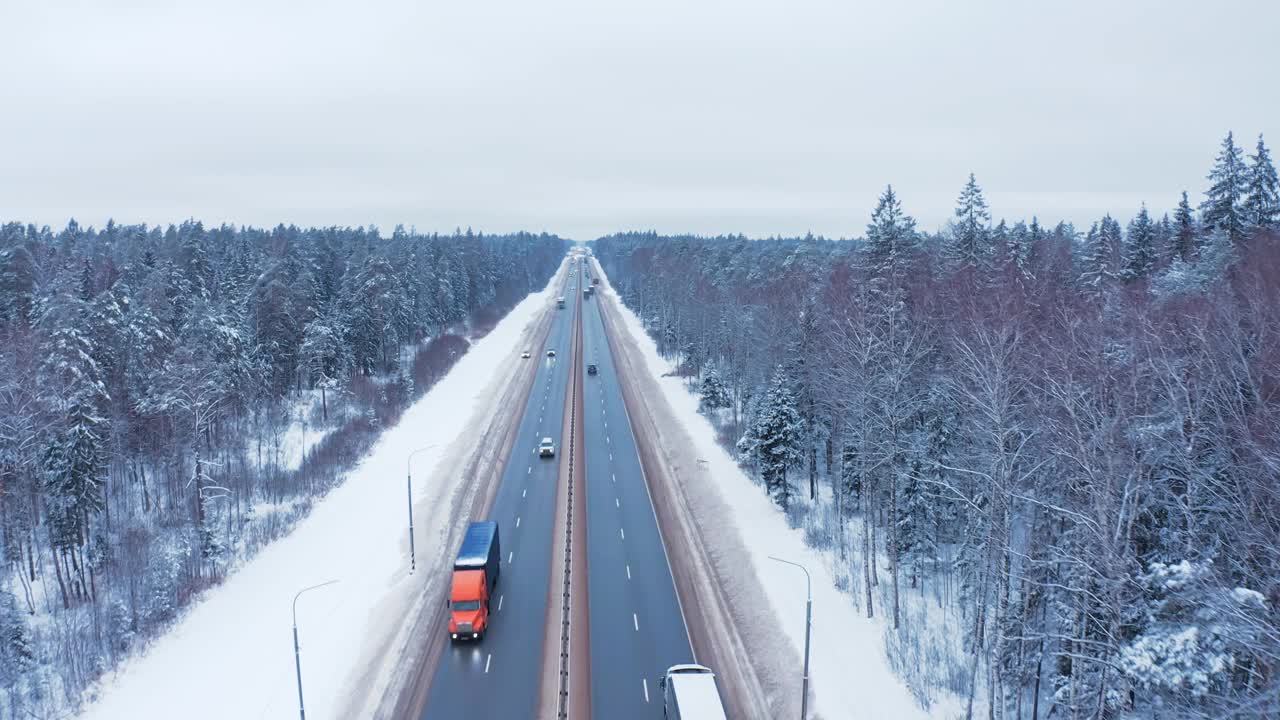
[
  {"x": 849, "y": 672},
  {"x": 231, "y": 655}
]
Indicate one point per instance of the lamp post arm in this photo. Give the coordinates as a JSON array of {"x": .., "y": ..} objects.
[{"x": 303, "y": 590}]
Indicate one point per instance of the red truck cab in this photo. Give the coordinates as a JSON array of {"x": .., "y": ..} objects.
[{"x": 468, "y": 605}]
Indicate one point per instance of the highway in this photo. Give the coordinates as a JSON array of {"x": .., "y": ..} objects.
[
  {"x": 500, "y": 676},
  {"x": 637, "y": 626}
]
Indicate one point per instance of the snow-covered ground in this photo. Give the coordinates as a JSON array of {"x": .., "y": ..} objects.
[
  {"x": 850, "y": 675},
  {"x": 231, "y": 655},
  {"x": 290, "y": 446}
]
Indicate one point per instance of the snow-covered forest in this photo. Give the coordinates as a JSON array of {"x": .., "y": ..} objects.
[
  {"x": 1048, "y": 456},
  {"x": 172, "y": 399}
]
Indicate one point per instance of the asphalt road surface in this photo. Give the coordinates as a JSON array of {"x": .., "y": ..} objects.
[
  {"x": 637, "y": 626},
  {"x": 500, "y": 676}
]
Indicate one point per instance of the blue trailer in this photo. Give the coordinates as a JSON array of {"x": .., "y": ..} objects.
[{"x": 481, "y": 551}]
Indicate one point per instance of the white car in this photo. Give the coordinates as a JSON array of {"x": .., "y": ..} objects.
[
  {"x": 546, "y": 448},
  {"x": 551, "y": 353},
  {"x": 525, "y": 355}
]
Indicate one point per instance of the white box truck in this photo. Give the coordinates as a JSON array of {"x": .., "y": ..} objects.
[{"x": 689, "y": 693}]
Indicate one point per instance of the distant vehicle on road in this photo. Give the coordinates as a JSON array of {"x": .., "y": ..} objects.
[
  {"x": 560, "y": 302},
  {"x": 586, "y": 291},
  {"x": 689, "y": 693},
  {"x": 475, "y": 574},
  {"x": 591, "y": 369},
  {"x": 525, "y": 355},
  {"x": 546, "y": 448},
  {"x": 551, "y": 353},
  {"x": 595, "y": 281}
]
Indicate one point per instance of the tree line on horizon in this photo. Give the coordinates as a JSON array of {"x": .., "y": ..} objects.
[
  {"x": 1067, "y": 440},
  {"x": 151, "y": 378}
]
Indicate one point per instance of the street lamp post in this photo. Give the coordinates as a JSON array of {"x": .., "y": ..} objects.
[
  {"x": 808, "y": 617},
  {"x": 297, "y": 654},
  {"x": 408, "y": 466}
]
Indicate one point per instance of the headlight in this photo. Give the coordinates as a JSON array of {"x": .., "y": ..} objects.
[{"x": 455, "y": 636}]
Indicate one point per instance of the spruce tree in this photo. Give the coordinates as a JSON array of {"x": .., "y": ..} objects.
[
  {"x": 777, "y": 438},
  {"x": 890, "y": 236},
  {"x": 1029, "y": 251},
  {"x": 970, "y": 242},
  {"x": 1222, "y": 209},
  {"x": 1262, "y": 192},
  {"x": 714, "y": 393},
  {"x": 1139, "y": 251},
  {"x": 1185, "y": 231},
  {"x": 17, "y": 654},
  {"x": 1099, "y": 251},
  {"x": 1019, "y": 249},
  {"x": 1003, "y": 253},
  {"x": 73, "y": 454}
]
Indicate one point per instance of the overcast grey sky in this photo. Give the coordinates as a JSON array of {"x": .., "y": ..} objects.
[{"x": 583, "y": 118}]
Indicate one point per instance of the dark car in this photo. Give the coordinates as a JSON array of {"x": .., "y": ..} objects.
[{"x": 591, "y": 369}]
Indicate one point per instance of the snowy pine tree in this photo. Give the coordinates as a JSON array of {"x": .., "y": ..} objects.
[
  {"x": 1098, "y": 252},
  {"x": 1185, "y": 231},
  {"x": 891, "y": 235},
  {"x": 714, "y": 394},
  {"x": 1261, "y": 205},
  {"x": 776, "y": 438},
  {"x": 969, "y": 245},
  {"x": 1139, "y": 248},
  {"x": 17, "y": 653},
  {"x": 1222, "y": 208}
]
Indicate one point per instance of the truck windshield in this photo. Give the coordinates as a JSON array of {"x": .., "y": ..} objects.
[{"x": 466, "y": 605}]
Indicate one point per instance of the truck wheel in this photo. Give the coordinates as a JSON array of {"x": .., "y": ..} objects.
[{"x": 480, "y": 635}]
